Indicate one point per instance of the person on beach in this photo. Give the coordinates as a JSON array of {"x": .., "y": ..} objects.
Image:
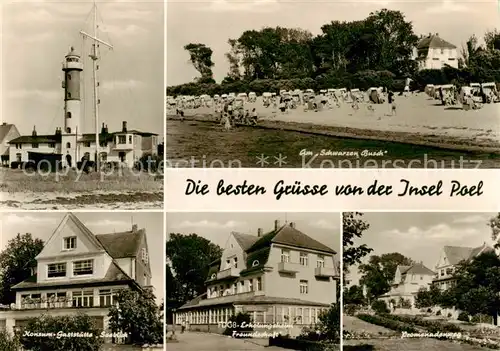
[
  {"x": 183, "y": 326},
  {"x": 227, "y": 123},
  {"x": 282, "y": 106},
  {"x": 392, "y": 105},
  {"x": 254, "y": 116}
]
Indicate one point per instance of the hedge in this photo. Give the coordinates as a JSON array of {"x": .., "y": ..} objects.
[
  {"x": 296, "y": 344},
  {"x": 387, "y": 323},
  {"x": 431, "y": 326}
]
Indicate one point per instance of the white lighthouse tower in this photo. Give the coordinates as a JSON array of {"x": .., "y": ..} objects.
[{"x": 72, "y": 66}]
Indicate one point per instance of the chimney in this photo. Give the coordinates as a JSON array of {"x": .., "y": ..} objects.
[
  {"x": 437, "y": 34},
  {"x": 58, "y": 131},
  {"x": 4, "y": 123},
  {"x": 134, "y": 228},
  {"x": 124, "y": 126},
  {"x": 292, "y": 224},
  {"x": 34, "y": 131},
  {"x": 106, "y": 129},
  {"x": 276, "y": 224},
  {"x": 259, "y": 232}
]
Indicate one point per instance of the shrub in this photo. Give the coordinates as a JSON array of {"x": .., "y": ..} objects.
[
  {"x": 463, "y": 316},
  {"x": 431, "y": 326},
  {"x": 481, "y": 318},
  {"x": 380, "y": 306},
  {"x": 8, "y": 342},
  {"x": 351, "y": 309}
]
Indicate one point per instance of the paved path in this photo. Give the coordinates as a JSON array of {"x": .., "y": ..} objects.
[{"x": 190, "y": 341}]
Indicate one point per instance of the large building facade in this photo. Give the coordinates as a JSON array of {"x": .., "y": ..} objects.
[
  {"x": 70, "y": 144},
  {"x": 283, "y": 277},
  {"x": 79, "y": 272}
]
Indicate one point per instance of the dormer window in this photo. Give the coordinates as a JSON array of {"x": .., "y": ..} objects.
[
  {"x": 145, "y": 257},
  {"x": 255, "y": 263},
  {"x": 70, "y": 243},
  {"x": 213, "y": 276}
]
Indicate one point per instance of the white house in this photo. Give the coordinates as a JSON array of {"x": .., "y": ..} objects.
[
  {"x": 433, "y": 52},
  {"x": 282, "y": 277},
  {"x": 408, "y": 280},
  {"x": 78, "y": 271},
  {"x": 7, "y": 133}
]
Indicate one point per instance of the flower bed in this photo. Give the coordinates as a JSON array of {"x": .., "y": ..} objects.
[{"x": 388, "y": 323}]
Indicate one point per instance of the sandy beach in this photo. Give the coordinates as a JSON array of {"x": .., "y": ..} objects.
[{"x": 417, "y": 115}]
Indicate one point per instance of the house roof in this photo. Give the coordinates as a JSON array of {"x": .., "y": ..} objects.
[
  {"x": 36, "y": 139},
  {"x": 245, "y": 240},
  {"x": 114, "y": 275},
  {"x": 122, "y": 244},
  {"x": 456, "y": 254},
  {"x": 289, "y": 235},
  {"x": 435, "y": 42},
  {"x": 246, "y": 299},
  {"x": 416, "y": 268},
  {"x": 5, "y": 128}
]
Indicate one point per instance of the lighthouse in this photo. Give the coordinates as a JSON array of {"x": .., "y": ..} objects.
[{"x": 72, "y": 66}]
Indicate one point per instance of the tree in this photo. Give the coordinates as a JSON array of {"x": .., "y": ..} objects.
[
  {"x": 190, "y": 256},
  {"x": 201, "y": 58},
  {"x": 137, "y": 314},
  {"x": 494, "y": 224},
  {"x": 45, "y": 324},
  {"x": 8, "y": 342},
  {"x": 428, "y": 297},
  {"x": 353, "y": 295},
  {"x": 492, "y": 40},
  {"x": 16, "y": 262},
  {"x": 352, "y": 228},
  {"x": 378, "y": 273},
  {"x": 477, "y": 286}
]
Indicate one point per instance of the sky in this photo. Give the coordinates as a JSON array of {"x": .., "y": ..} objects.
[
  {"x": 216, "y": 227},
  {"x": 214, "y": 22},
  {"x": 422, "y": 236},
  {"x": 42, "y": 225},
  {"x": 37, "y": 35}
]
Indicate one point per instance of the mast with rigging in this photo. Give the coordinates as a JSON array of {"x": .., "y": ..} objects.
[{"x": 95, "y": 57}]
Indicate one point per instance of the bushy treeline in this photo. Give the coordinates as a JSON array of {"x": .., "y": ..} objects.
[{"x": 376, "y": 51}]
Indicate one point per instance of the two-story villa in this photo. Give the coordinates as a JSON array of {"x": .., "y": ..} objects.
[
  {"x": 450, "y": 257},
  {"x": 433, "y": 52},
  {"x": 408, "y": 280},
  {"x": 78, "y": 271},
  {"x": 282, "y": 277}
]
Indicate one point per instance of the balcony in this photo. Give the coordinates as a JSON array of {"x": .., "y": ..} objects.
[
  {"x": 324, "y": 272},
  {"x": 229, "y": 273},
  {"x": 287, "y": 267},
  {"x": 123, "y": 146}
]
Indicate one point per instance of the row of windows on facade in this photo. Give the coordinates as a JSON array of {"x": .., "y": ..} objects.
[
  {"x": 79, "y": 298},
  {"x": 296, "y": 315},
  {"x": 448, "y": 271},
  {"x": 241, "y": 287},
  {"x": 285, "y": 257},
  {"x": 121, "y": 140}
]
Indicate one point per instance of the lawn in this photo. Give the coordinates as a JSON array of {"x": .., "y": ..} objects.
[{"x": 414, "y": 345}]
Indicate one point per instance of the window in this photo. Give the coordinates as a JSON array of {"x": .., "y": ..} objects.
[
  {"x": 83, "y": 298},
  {"x": 449, "y": 271},
  {"x": 235, "y": 288},
  {"x": 103, "y": 143},
  {"x": 130, "y": 139},
  {"x": 242, "y": 286},
  {"x": 285, "y": 255},
  {"x": 19, "y": 146},
  {"x": 56, "y": 270},
  {"x": 69, "y": 95},
  {"x": 68, "y": 114},
  {"x": 259, "y": 284},
  {"x": 320, "y": 261},
  {"x": 442, "y": 51},
  {"x": 145, "y": 257},
  {"x": 250, "y": 285},
  {"x": 34, "y": 145},
  {"x": 122, "y": 139},
  {"x": 442, "y": 272},
  {"x": 228, "y": 264},
  {"x": 52, "y": 145},
  {"x": 304, "y": 259},
  {"x": 255, "y": 263},
  {"x": 86, "y": 144},
  {"x": 70, "y": 243},
  {"x": 235, "y": 260},
  {"x": 303, "y": 287},
  {"x": 83, "y": 267},
  {"x": 213, "y": 276},
  {"x": 69, "y": 76},
  {"x": 68, "y": 145}
]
